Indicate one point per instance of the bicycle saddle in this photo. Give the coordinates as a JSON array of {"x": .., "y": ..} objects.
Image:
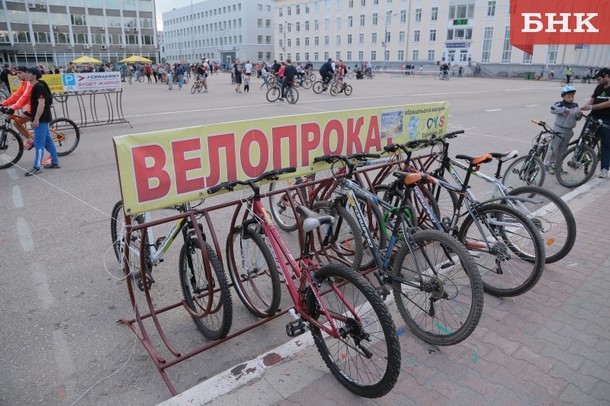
[
  {"x": 476, "y": 160},
  {"x": 505, "y": 156},
  {"x": 312, "y": 219}
]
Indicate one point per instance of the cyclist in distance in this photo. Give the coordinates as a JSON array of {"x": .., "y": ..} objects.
[
  {"x": 599, "y": 104},
  {"x": 566, "y": 114},
  {"x": 445, "y": 70},
  {"x": 326, "y": 71},
  {"x": 289, "y": 73}
]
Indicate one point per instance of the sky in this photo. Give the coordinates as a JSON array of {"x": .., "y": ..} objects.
[{"x": 166, "y": 5}]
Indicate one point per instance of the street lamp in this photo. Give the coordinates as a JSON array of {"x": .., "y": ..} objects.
[{"x": 386, "y": 37}]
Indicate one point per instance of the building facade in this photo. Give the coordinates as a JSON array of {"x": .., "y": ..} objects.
[
  {"x": 391, "y": 33},
  {"x": 220, "y": 30},
  {"x": 54, "y": 32}
]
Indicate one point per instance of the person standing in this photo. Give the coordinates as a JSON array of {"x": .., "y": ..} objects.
[
  {"x": 289, "y": 73},
  {"x": 237, "y": 71},
  {"x": 568, "y": 74},
  {"x": 180, "y": 75},
  {"x": 599, "y": 105},
  {"x": 40, "y": 102},
  {"x": 265, "y": 75},
  {"x": 169, "y": 76},
  {"x": 567, "y": 113}
]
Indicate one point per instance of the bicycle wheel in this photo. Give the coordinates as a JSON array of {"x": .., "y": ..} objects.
[
  {"x": 306, "y": 83},
  {"x": 507, "y": 248},
  {"x": 279, "y": 203},
  {"x": 66, "y": 135},
  {"x": 525, "y": 171},
  {"x": 334, "y": 89},
  {"x": 341, "y": 240},
  {"x": 553, "y": 219},
  {"x": 273, "y": 94},
  {"x": 11, "y": 148},
  {"x": 375, "y": 221},
  {"x": 446, "y": 200},
  {"x": 437, "y": 288},
  {"x": 576, "y": 167},
  {"x": 209, "y": 299},
  {"x": 292, "y": 95},
  {"x": 131, "y": 248},
  {"x": 348, "y": 90},
  {"x": 194, "y": 87},
  {"x": 253, "y": 271},
  {"x": 365, "y": 354},
  {"x": 394, "y": 196},
  {"x": 318, "y": 87}
]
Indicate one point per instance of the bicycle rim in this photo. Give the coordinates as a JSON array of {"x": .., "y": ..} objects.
[
  {"x": 209, "y": 299},
  {"x": 365, "y": 355},
  {"x": 577, "y": 166},
  {"x": 279, "y": 204},
  {"x": 524, "y": 171},
  {"x": 66, "y": 135},
  {"x": 508, "y": 250},
  {"x": 11, "y": 148},
  {"x": 444, "y": 305}
]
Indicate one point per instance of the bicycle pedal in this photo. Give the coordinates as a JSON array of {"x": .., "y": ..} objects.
[
  {"x": 295, "y": 328},
  {"x": 383, "y": 292}
]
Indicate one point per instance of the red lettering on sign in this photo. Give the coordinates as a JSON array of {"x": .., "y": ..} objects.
[
  {"x": 152, "y": 181},
  {"x": 182, "y": 165},
  {"x": 310, "y": 140},
  {"x": 250, "y": 138}
]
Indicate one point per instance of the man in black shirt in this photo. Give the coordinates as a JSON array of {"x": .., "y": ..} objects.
[
  {"x": 599, "y": 104},
  {"x": 326, "y": 71},
  {"x": 289, "y": 73},
  {"x": 4, "y": 76},
  {"x": 40, "y": 103}
]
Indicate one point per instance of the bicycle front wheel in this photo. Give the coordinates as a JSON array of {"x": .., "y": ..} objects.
[
  {"x": 273, "y": 94},
  {"x": 524, "y": 171},
  {"x": 279, "y": 203},
  {"x": 195, "y": 87},
  {"x": 507, "y": 248},
  {"x": 364, "y": 352},
  {"x": 552, "y": 217},
  {"x": 318, "y": 87},
  {"x": 208, "y": 299},
  {"x": 348, "y": 90},
  {"x": 11, "y": 148},
  {"x": 66, "y": 135},
  {"x": 292, "y": 95},
  {"x": 437, "y": 288},
  {"x": 577, "y": 166},
  {"x": 253, "y": 270}
]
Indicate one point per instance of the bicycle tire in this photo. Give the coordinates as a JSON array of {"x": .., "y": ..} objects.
[
  {"x": 318, "y": 87},
  {"x": 348, "y": 90},
  {"x": 375, "y": 222},
  {"x": 292, "y": 95},
  {"x": 257, "y": 288},
  {"x": 576, "y": 167},
  {"x": 279, "y": 205},
  {"x": 526, "y": 170},
  {"x": 211, "y": 300},
  {"x": 553, "y": 219},
  {"x": 334, "y": 89},
  {"x": 341, "y": 240},
  {"x": 194, "y": 87},
  {"x": 66, "y": 135},
  {"x": 446, "y": 200},
  {"x": 504, "y": 274},
  {"x": 447, "y": 309},
  {"x": 273, "y": 93},
  {"x": 11, "y": 148},
  {"x": 118, "y": 236},
  {"x": 306, "y": 83},
  {"x": 369, "y": 372}
]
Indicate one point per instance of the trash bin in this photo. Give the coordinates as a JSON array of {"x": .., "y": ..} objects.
[{"x": 529, "y": 75}]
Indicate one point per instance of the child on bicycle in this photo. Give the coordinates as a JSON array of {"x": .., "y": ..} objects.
[{"x": 567, "y": 113}]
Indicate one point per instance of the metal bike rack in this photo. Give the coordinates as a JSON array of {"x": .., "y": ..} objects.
[{"x": 91, "y": 104}]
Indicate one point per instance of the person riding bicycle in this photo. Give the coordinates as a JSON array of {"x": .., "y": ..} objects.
[
  {"x": 21, "y": 98},
  {"x": 566, "y": 114},
  {"x": 289, "y": 73},
  {"x": 599, "y": 104},
  {"x": 327, "y": 71},
  {"x": 445, "y": 70}
]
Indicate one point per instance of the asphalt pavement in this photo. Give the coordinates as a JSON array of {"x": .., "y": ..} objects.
[{"x": 62, "y": 293}]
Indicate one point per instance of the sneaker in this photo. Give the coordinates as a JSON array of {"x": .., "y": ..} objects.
[
  {"x": 47, "y": 160},
  {"x": 28, "y": 145},
  {"x": 33, "y": 171},
  {"x": 281, "y": 99},
  {"x": 550, "y": 169},
  {"x": 52, "y": 166},
  {"x": 603, "y": 173}
]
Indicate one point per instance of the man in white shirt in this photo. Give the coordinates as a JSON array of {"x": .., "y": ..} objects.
[{"x": 248, "y": 68}]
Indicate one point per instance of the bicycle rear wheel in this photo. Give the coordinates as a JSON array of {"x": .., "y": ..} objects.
[
  {"x": 364, "y": 356},
  {"x": 577, "y": 166},
  {"x": 437, "y": 288},
  {"x": 195, "y": 87},
  {"x": 66, "y": 135},
  {"x": 318, "y": 87},
  {"x": 553, "y": 219},
  {"x": 524, "y": 171},
  {"x": 210, "y": 300},
  {"x": 508, "y": 249},
  {"x": 292, "y": 95},
  {"x": 11, "y": 148},
  {"x": 253, "y": 271}
]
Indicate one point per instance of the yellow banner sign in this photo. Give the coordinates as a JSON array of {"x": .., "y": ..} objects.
[{"x": 165, "y": 168}]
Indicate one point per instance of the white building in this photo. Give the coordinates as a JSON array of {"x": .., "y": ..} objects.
[
  {"x": 390, "y": 33},
  {"x": 220, "y": 30}
]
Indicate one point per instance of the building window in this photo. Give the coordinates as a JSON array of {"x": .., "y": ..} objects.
[
  {"x": 349, "y": 39},
  {"x": 362, "y": 20},
  {"x": 416, "y": 36},
  {"x": 491, "y": 8},
  {"x": 487, "y": 38},
  {"x": 552, "y": 53},
  {"x": 432, "y": 35},
  {"x": 403, "y": 16},
  {"x": 401, "y": 55},
  {"x": 401, "y": 37},
  {"x": 431, "y": 55},
  {"x": 374, "y": 38},
  {"x": 338, "y": 23},
  {"x": 326, "y": 40},
  {"x": 349, "y": 55},
  {"x": 506, "y": 50},
  {"x": 306, "y": 41},
  {"x": 415, "y": 55},
  {"x": 316, "y": 41},
  {"x": 418, "y": 15},
  {"x": 361, "y": 38},
  {"x": 373, "y": 55},
  {"x": 360, "y": 55},
  {"x": 434, "y": 14},
  {"x": 338, "y": 40},
  {"x": 306, "y": 25},
  {"x": 375, "y": 16},
  {"x": 527, "y": 58}
]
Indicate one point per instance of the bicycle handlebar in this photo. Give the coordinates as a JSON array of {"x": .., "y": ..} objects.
[{"x": 269, "y": 175}]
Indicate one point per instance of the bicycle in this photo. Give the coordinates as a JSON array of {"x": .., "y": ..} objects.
[
  {"x": 547, "y": 211},
  {"x": 322, "y": 85},
  {"x": 435, "y": 282},
  {"x": 444, "y": 75},
  {"x": 529, "y": 169},
  {"x": 274, "y": 93},
  {"x": 197, "y": 86},
  {"x": 203, "y": 282},
  {"x": 64, "y": 131},
  {"x": 339, "y": 86},
  {"x": 577, "y": 166},
  {"x": 350, "y": 324}
]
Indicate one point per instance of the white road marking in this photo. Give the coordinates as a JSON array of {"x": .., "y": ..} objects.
[
  {"x": 17, "y": 199},
  {"x": 41, "y": 284},
  {"x": 12, "y": 173},
  {"x": 25, "y": 236},
  {"x": 532, "y": 105},
  {"x": 492, "y": 110}
]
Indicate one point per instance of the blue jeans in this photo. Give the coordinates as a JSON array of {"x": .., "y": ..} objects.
[
  {"x": 605, "y": 144},
  {"x": 42, "y": 140},
  {"x": 180, "y": 81}
]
